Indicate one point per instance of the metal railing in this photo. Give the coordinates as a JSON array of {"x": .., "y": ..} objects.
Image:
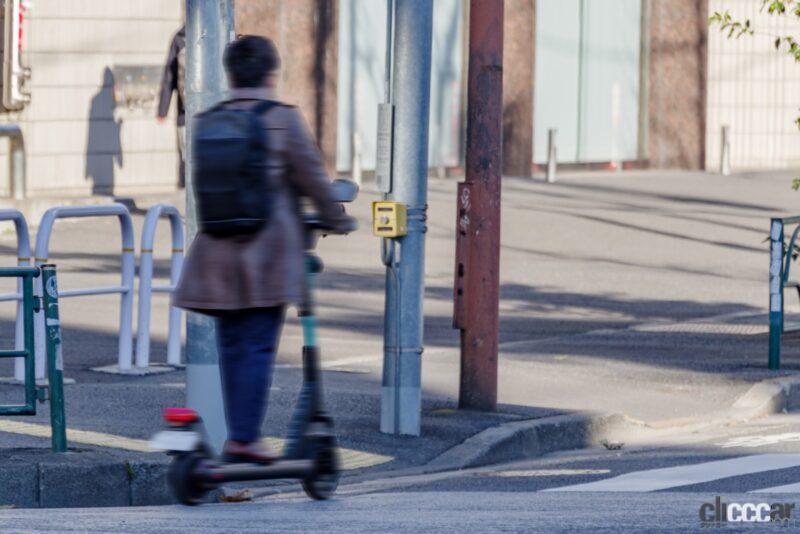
[
  {"x": 16, "y": 160},
  {"x": 26, "y": 351},
  {"x": 125, "y": 289},
  {"x": 23, "y": 259},
  {"x": 780, "y": 263},
  {"x": 55, "y": 361},
  {"x": 146, "y": 287}
]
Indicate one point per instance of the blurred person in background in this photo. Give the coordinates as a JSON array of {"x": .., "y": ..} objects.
[{"x": 173, "y": 81}]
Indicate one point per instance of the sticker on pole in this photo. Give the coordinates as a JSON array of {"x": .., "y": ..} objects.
[
  {"x": 383, "y": 148},
  {"x": 59, "y": 357},
  {"x": 52, "y": 288}
]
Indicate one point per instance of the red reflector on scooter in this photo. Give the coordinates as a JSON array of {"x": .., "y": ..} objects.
[{"x": 180, "y": 415}]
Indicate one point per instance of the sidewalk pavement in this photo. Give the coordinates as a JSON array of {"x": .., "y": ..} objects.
[{"x": 638, "y": 293}]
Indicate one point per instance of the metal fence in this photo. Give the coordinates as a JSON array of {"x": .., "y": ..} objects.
[
  {"x": 23, "y": 259},
  {"x": 24, "y": 352},
  {"x": 125, "y": 289},
  {"x": 780, "y": 264}
]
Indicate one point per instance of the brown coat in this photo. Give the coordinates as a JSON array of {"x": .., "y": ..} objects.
[{"x": 266, "y": 269}]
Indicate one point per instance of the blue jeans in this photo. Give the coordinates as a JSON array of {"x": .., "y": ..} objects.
[{"x": 248, "y": 340}]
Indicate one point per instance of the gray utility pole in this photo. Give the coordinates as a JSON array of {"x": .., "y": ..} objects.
[
  {"x": 209, "y": 27},
  {"x": 404, "y": 256}
]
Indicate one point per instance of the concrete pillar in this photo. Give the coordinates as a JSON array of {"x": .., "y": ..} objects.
[
  {"x": 305, "y": 32},
  {"x": 518, "y": 52},
  {"x": 676, "y": 83}
]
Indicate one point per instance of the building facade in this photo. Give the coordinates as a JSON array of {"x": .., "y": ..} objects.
[
  {"x": 623, "y": 82},
  {"x": 79, "y": 139},
  {"x": 636, "y": 83},
  {"x": 754, "y": 90}
]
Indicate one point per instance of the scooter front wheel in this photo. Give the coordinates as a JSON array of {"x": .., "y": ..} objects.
[
  {"x": 323, "y": 483},
  {"x": 183, "y": 479}
]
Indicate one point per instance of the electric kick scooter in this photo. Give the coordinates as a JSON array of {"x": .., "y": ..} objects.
[{"x": 310, "y": 451}]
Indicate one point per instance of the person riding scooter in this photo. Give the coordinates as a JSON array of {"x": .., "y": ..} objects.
[{"x": 246, "y": 263}]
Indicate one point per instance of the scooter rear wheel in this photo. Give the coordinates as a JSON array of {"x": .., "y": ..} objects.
[
  {"x": 182, "y": 478},
  {"x": 323, "y": 483}
]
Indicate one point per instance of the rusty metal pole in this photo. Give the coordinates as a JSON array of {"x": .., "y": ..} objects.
[{"x": 477, "y": 273}]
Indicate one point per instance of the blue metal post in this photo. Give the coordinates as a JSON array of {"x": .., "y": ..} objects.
[
  {"x": 209, "y": 28},
  {"x": 775, "y": 293},
  {"x": 401, "y": 397}
]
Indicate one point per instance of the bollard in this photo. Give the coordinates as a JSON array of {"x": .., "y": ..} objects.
[
  {"x": 725, "y": 152},
  {"x": 146, "y": 288},
  {"x": 551, "y": 155},
  {"x": 355, "y": 164},
  {"x": 55, "y": 358},
  {"x": 616, "y": 119}
]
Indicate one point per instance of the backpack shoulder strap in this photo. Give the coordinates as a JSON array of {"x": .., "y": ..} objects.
[
  {"x": 263, "y": 106},
  {"x": 216, "y": 107}
]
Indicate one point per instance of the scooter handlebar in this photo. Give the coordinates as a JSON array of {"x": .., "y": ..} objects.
[
  {"x": 344, "y": 190},
  {"x": 314, "y": 224}
]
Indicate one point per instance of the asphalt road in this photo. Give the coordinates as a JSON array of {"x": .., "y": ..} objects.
[
  {"x": 398, "y": 512},
  {"x": 601, "y": 274},
  {"x": 638, "y": 488}
]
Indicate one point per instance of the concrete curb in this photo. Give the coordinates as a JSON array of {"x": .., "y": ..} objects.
[
  {"x": 769, "y": 397},
  {"x": 32, "y": 478},
  {"x": 521, "y": 440}
]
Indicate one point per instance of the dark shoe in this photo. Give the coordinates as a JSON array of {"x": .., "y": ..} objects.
[{"x": 248, "y": 453}]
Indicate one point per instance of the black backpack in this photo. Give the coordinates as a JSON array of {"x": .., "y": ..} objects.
[{"x": 229, "y": 170}]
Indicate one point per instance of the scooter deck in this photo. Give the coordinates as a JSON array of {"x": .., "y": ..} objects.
[{"x": 244, "y": 471}]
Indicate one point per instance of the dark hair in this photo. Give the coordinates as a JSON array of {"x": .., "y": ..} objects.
[{"x": 249, "y": 59}]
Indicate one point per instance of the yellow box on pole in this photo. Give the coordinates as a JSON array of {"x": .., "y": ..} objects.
[{"x": 389, "y": 218}]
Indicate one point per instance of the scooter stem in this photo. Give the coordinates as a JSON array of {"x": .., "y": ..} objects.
[
  {"x": 308, "y": 320},
  {"x": 309, "y": 323}
]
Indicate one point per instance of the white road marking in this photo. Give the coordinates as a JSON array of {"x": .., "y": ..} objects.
[
  {"x": 787, "y": 488},
  {"x": 543, "y": 473},
  {"x": 761, "y": 441},
  {"x": 685, "y": 475},
  {"x": 327, "y": 364}
]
